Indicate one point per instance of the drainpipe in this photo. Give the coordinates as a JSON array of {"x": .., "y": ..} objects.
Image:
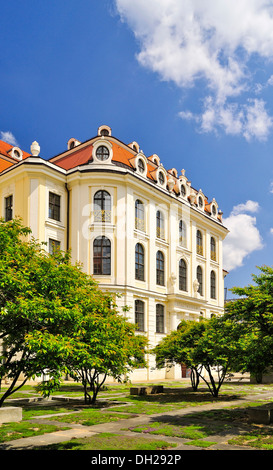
[{"x": 67, "y": 216}]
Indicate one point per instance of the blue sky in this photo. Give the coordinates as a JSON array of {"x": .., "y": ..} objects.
[{"x": 190, "y": 80}]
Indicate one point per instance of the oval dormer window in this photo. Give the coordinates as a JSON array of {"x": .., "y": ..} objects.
[
  {"x": 102, "y": 153},
  {"x": 161, "y": 178},
  {"x": 141, "y": 166}
]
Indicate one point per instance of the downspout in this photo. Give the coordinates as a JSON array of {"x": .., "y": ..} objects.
[{"x": 67, "y": 217}]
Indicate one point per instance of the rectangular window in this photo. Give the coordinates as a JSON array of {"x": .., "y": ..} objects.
[
  {"x": 8, "y": 208},
  {"x": 53, "y": 245},
  {"x": 54, "y": 207},
  {"x": 139, "y": 315},
  {"x": 159, "y": 318}
]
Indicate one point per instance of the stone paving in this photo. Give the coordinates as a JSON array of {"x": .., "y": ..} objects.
[{"x": 121, "y": 427}]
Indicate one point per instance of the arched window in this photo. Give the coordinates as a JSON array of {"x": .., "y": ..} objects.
[
  {"x": 139, "y": 262},
  {"x": 159, "y": 318},
  {"x": 141, "y": 165},
  {"x": 160, "y": 225},
  {"x": 182, "y": 233},
  {"x": 199, "y": 275},
  {"x": 199, "y": 243},
  {"x": 182, "y": 275},
  {"x": 213, "y": 285},
  {"x": 160, "y": 268},
  {"x": 139, "y": 315},
  {"x": 139, "y": 215},
  {"x": 102, "y": 206},
  {"x": 213, "y": 249},
  {"x": 102, "y": 256}
]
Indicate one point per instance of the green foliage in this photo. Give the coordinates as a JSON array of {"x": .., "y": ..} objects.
[
  {"x": 54, "y": 317},
  {"x": 253, "y": 315}
]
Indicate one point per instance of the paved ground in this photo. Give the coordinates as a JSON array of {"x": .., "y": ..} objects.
[{"x": 79, "y": 431}]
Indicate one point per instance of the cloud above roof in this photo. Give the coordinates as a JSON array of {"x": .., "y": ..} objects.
[{"x": 213, "y": 44}]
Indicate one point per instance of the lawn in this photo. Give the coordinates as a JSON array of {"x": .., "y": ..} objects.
[{"x": 116, "y": 403}]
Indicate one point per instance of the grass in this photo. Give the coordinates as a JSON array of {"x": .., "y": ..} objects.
[
  {"x": 110, "y": 441},
  {"x": 196, "y": 429},
  {"x": 11, "y": 431},
  {"x": 90, "y": 417}
]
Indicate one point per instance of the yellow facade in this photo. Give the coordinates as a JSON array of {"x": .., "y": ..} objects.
[{"x": 139, "y": 250}]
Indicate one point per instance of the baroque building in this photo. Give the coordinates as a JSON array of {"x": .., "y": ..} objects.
[{"x": 139, "y": 229}]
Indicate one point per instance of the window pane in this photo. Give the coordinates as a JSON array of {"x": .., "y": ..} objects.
[
  {"x": 159, "y": 318},
  {"x": 139, "y": 215},
  {"x": 102, "y": 256},
  {"x": 182, "y": 275},
  {"x": 139, "y": 315},
  {"x": 102, "y": 207},
  {"x": 139, "y": 262},
  {"x": 8, "y": 208},
  {"x": 160, "y": 268},
  {"x": 53, "y": 245},
  {"x": 200, "y": 280},
  {"x": 54, "y": 206}
]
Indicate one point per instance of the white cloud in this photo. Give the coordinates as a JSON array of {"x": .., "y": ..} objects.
[
  {"x": 243, "y": 237},
  {"x": 248, "y": 206},
  {"x": 8, "y": 137},
  {"x": 188, "y": 40}
]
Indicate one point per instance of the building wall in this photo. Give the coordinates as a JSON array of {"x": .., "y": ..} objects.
[{"x": 30, "y": 186}]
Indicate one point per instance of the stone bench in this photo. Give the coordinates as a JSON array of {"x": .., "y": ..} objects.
[
  {"x": 151, "y": 390},
  {"x": 10, "y": 414},
  {"x": 261, "y": 414}
]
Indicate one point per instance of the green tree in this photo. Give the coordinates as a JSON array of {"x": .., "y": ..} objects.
[
  {"x": 178, "y": 348},
  {"x": 49, "y": 310},
  {"x": 208, "y": 347},
  {"x": 253, "y": 313}
]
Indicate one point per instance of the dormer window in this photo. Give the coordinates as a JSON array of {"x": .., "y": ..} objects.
[
  {"x": 102, "y": 153},
  {"x": 104, "y": 130},
  {"x": 141, "y": 166},
  {"x": 183, "y": 190},
  {"x": 161, "y": 178},
  {"x": 17, "y": 153},
  {"x": 200, "y": 202}
]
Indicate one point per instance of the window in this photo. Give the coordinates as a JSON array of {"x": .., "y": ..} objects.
[
  {"x": 182, "y": 233},
  {"x": 141, "y": 165},
  {"x": 213, "y": 285},
  {"x": 8, "y": 208},
  {"x": 139, "y": 262},
  {"x": 199, "y": 275},
  {"x": 200, "y": 202},
  {"x": 104, "y": 132},
  {"x": 53, "y": 245},
  {"x": 212, "y": 249},
  {"x": 54, "y": 207},
  {"x": 182, "y": 275},
  {"x": 183, "y": 190},
  {"x": 139, "y": 315},
  {"x": 160, "y": 268},
  {"x": 161, "y": 178},
  {"x": 159, "y": 318},
  {"x": 199, "y": 243},
  {"x": 160, "y": 225},
  {"x": 139, "y": 215},
  {"x": 102, "y": 207},
  {"x": 102, "y": 256},
  {"x": 102, "y": 153}
]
